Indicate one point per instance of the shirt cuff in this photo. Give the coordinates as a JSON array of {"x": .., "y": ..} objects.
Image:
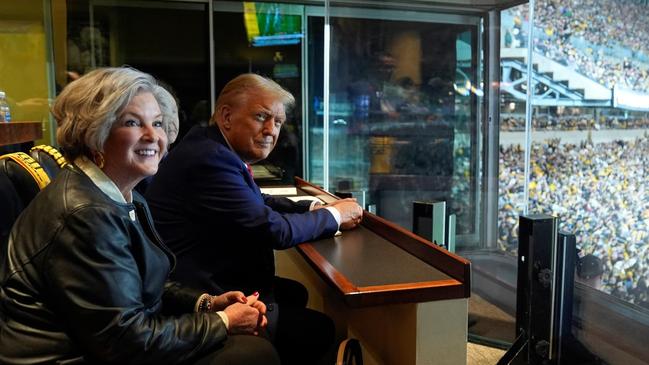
[
  {"x": 314, "y": 204},
  {"x": 336, "y": 214},
  {"x": 225, "y": 319}
]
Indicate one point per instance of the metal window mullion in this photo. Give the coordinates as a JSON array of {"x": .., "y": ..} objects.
[
  {"x": 528, "y": 109},
  {"x": 325, "y": 113},
  {"x": 210, "y": 22},
  {"x": 491, "y": 129},
  {"x": 51, "y": 69},
  {"x": 305, "y": 98}
]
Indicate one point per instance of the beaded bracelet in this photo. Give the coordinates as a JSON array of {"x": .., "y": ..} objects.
[{"x": 205, "y": 303}]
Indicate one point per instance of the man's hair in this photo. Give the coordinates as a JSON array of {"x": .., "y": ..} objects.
[
  {"x": 88, "y": 107},
  {"x": 238, "y": 89},
  {"x": 589, "y": 266}
]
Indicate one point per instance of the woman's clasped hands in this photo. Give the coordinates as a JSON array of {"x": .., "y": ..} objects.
[{"x": 246, "y": 315}]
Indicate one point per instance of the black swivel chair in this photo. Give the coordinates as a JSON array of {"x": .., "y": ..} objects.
[{"x": 21, "y": 178}]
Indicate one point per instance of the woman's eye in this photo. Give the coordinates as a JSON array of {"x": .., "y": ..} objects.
[
  {"x": 158, "y": 124},
  {"x": 131, "y": 123}
]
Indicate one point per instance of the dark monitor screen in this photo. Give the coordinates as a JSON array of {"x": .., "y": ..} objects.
[{"x": 422, "y": 220}]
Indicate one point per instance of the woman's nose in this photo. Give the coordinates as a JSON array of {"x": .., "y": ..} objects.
[{"x": 149, "y": 133}]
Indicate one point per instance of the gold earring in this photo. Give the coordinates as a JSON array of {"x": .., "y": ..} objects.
[{"x": 98, "y": 157}]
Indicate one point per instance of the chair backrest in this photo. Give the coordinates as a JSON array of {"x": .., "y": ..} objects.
[
  {"x": 21, "y": 178},
  {"x": 51, "y": 160}
]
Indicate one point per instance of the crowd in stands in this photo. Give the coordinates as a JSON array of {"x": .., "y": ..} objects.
[
  {"x": 572, "y": 123},
  {"x": 600, "y": 193},
  {"x": 577, "y": 33}
]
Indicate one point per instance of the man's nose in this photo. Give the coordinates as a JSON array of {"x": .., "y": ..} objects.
[{"x": 270, "y": 127}]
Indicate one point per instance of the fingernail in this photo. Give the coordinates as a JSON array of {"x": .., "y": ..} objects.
[{"x": 256, "y": 293}]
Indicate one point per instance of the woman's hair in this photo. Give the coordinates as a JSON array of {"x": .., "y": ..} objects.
[
  {"x": 237, "y": 89},
  {"x": 87, "y": 108}
]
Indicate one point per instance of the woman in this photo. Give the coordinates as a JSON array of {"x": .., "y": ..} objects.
[{"x": 85, "y": 275}]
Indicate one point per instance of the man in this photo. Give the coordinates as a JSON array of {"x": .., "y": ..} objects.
[
  {"x": 211, "y": 213},
  {"x": 590, "y": 270}
]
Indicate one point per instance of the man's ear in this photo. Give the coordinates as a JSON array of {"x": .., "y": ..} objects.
[{"x": 225, "y": 115}]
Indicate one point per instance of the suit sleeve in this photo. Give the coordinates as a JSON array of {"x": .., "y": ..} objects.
[
  {"x": 285, "y": 205},
  {"x": 98, "y": 295},
  {"x": 225, "y": 192}
]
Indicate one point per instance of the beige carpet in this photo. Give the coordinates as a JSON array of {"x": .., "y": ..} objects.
[
  {"x": 489, "y": 321},
  {"x": 482, "y": 355}
]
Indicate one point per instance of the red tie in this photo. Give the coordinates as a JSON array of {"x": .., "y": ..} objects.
[{"x": 249, "y": 170}]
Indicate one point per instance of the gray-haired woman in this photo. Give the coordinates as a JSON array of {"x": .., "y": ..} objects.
[{"x": 85, "y": 277}]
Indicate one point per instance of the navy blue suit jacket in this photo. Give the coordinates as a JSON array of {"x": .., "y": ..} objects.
[{"x": 211, "y": 213}]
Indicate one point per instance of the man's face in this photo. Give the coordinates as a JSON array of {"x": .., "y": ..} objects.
[{"x": 252, "y": 125}]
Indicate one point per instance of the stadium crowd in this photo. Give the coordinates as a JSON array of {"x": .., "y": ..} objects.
[
  {"x": 571, "y": 123},
  {"x": 600, "y": 193},
  {"x": 577, "y": 33}
]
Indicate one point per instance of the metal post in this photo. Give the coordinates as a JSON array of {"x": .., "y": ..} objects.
[
  {"x": 491, "y": 129},
  {"x": 528, "y": 108},
  {"x": 325, "y": 95}
]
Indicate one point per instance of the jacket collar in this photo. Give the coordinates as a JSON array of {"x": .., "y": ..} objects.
[
  {"x": 215, "y": 133},
  {"x": 103, "y": 182}
]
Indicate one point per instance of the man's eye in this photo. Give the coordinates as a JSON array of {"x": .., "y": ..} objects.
[
  {"x": 158, "y": 124},
  {"x": 279, "y": 123},
  {"x": 131, "y": 123},
  {"x": 261, "y": 117}
]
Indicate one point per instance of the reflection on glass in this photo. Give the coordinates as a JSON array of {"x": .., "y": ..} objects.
[{"x": 403, "y": 100}]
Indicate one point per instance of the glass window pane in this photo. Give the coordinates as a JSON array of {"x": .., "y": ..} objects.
[
  {"x": 24, "y": 50},
  {"x": 403, "y": 112},
  {"x": 493, "y": 302},
  {"x": 266, "y": 39},
  {"x": 145, "y": 35},
  {"x": 589, "y": 160}
]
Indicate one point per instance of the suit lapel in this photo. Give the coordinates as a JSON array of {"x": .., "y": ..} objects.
[{"x": 215, "y": 134}]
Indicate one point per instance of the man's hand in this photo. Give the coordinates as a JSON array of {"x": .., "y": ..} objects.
[
  {"x": 224, "y": 300},
  {"x": 351, "y": 213}
]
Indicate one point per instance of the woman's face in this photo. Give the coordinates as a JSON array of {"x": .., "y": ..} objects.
[{"x": 135, "y": 143}]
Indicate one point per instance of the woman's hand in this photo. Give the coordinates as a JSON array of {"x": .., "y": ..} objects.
[
  {"x": 253, "y": 301},
  {"x": 247, "y": 318},
  {"x": 220, "y": 302}
]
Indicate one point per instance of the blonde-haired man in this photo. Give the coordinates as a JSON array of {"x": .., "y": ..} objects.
[{"x": 209, "y": 210}]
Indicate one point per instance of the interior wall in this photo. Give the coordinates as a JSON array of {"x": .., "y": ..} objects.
[{"x": 23, "y": 62}]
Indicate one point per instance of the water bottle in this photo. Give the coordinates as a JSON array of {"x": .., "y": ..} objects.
[{"x": 5, "y": 113}]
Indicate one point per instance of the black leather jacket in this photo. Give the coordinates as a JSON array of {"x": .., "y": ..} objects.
[{"x": 85, "y": 280}]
